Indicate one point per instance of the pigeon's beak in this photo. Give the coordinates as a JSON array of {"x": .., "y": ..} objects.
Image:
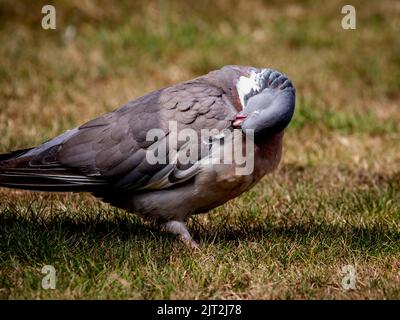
[{"x": 237, "y": 122}]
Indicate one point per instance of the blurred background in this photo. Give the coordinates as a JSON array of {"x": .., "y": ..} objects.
[{"x": 335, "y": 199}]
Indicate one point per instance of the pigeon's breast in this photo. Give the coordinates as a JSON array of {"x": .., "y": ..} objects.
[
  {"x": 214, "y": 185},
  {"x": 217, "y": 184}
]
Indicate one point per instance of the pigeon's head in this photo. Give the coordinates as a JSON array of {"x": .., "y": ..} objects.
[{"x": 267, "y": 100}]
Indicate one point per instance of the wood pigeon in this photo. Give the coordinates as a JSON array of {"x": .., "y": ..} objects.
[{"x": 112, "y": 156}]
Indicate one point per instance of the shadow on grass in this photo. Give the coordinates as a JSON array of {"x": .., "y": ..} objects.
[
  {"x": 372, "y": 240},
  {"x": 32, "y": 235},
  {"x": 28, "y": 239}
]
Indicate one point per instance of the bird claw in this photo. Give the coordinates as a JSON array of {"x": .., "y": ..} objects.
[
  {"x": 179, "y": 228},
  {"x": 189, "y": 242}
]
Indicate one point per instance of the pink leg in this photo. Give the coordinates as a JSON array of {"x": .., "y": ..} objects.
[{"x": 179, "y": 228}]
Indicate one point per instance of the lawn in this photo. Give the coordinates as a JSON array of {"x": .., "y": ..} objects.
[{"x": 333, "y": 202}]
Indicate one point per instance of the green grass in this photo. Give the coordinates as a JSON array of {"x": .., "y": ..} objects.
[
  {"x": 334, "y": 201},
  {"x": 344, "y": 122}
]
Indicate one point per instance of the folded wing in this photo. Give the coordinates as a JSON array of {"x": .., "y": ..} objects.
[{"x": 109, "y": 152}]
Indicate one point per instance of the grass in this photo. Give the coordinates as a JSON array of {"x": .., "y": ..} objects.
[{"x": 334, "y": 201}]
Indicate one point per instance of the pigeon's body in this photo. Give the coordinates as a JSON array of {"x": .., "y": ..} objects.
[
  {"x": 211, "y": 187},
  {"x": 108, "y": 155}
]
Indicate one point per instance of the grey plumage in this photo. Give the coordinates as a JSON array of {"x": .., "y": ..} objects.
[{"x": 107, "y": 155}]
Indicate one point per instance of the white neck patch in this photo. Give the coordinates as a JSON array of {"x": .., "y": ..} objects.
[{"x": 248, "y": 86}]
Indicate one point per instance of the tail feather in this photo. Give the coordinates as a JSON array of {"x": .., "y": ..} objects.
[
  {"x": 13, "y": 154},
  {"x": 23, "y": 169}
]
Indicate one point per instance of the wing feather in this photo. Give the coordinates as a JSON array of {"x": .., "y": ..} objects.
[{"x": 110, "y": 150}]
